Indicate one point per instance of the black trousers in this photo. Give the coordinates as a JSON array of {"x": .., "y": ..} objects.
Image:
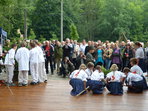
[{"x": 47, "y": 60}]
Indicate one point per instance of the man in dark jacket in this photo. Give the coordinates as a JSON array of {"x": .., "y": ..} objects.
[
  {"x": 58, "y": 52},
  {"x": 49, "y": 52},
  {"x": 67, "y": 67},
  {"x": 67, "y": 48},
  {"x": 89, "y": 56}
]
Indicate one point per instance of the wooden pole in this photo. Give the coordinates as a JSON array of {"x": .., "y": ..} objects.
[{"x": 61, "y": 20}]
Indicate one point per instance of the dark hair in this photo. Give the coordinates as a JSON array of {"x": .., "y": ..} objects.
[
  {"x": 13, "y": 45},
  {"x": 36, "y": 42},
  {"x": 138, "y": 44},
  {"x": 126, "y": 69},
  {"x": 32, "y": 44},
  {"x": 134, "y": 60}
]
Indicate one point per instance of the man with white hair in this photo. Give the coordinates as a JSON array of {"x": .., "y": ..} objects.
[{"x": 49, "y": 51}]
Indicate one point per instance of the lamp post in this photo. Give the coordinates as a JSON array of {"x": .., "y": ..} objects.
[
  {"x": 25, "y": 24},
  {"x": 61, "y": 20}
]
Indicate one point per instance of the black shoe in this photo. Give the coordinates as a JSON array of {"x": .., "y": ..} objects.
[
  {"x": 24, "y": 84},
  {"x": 45, "y": 81},
  {"x": 20, "y": 84},
  {"x": 33, "y": 83},
  {"x": 38, "y": 82}
]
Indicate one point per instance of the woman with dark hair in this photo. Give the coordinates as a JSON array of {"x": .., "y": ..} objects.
[
  {"x": 107, "y": 56},
  {"x": 116, "y": 57},
  {"x": 127, "y": 55},
  {"x": 99, "y": 60}
]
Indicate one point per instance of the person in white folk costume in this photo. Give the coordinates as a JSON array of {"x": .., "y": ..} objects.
[
  {"x": 9, "y": 64},
  {"x": 115, "y": 81},
  {"x": 41, "y": 64},
  {"x": 89, "y": 71},
  {"x": 135, "y": 69},
  {"x": 34, "y": 60},
  {"x": 78, "y": 79},
  {"x": 97, "y": 81},
  {"x": 134, "y": 82},
  {"x": 22, "y": 57}
]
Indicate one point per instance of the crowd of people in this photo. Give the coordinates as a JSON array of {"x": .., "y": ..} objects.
[{"x": 68, "y": 56}]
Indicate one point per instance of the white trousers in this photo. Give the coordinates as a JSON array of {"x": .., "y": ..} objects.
[
  {"x": 23, "y": 77},
  {"x": 42, "y": 72},
  {"x": 34, "y": 72},
  {"x": 10, "y": 73}
]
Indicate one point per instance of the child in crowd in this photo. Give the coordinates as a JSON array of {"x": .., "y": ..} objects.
[
  {"x": 34, "y": 54},
  {"x": 9, "y": 64},
  {"x": 22, "y": 57}
]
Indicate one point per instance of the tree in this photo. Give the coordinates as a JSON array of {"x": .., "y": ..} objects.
[
  {"x": 114, "y": 19},
  {"x": 73, "y": 32},
  {"x": 88, "y": 21}
]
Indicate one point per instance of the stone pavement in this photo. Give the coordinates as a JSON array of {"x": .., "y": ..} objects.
[{"x": 3, "y": 76}]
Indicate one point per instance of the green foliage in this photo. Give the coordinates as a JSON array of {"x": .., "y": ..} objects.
[
  {"x": 94, "y": 19},
  {"x": 41, "y": 39},
  {"x": 54, "y": 37},
  {"x": 105, "y": 70},
  {"x": 73, "y": 32},
  {"x": 32, "y": 35}
]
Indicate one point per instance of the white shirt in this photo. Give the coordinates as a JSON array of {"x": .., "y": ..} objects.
[
  {"x": 139, "y": 53},
  {"x": 1, "y": 50},
  {"x": 82, "y": 48},
  {"x": 96, "y": 75},
  {"x": 41, "y": 54},
  {"x": 133, "y": 77},
  {"x": 22, "y": 57},
  {"x": 76, "y": 50},
  {"x": 34, "y": 55},
  {"x": 9, "y": 59},
  {"x": 136, "y": 70},
  {"x": 115, "y": 76},
  {"x": 79, "y": 74},
  {"x": 89, "y": 73}
]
